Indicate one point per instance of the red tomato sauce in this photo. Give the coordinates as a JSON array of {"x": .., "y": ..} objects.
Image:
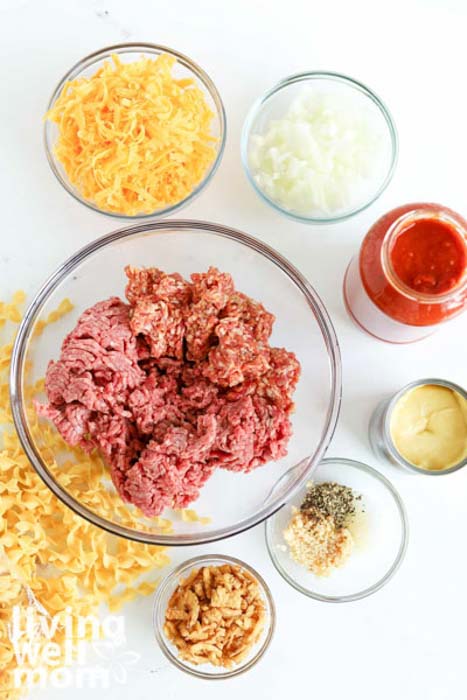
[{"x": 429, "y": 257}]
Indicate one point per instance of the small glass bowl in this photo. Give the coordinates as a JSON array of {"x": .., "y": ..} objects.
[
  {"x": 183, "y": 68},
  {"x": 274, "y": 103},
  {"x": 379, "y": 430},
  {"x": 380, "y": 543},
  {"x": 165, "y": 590}
]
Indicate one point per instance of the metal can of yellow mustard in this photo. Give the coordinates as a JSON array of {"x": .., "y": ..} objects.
[{"x": 422, "y": 427}]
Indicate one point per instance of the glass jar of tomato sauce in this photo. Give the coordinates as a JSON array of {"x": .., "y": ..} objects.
[{"x": 411, "y": 273}]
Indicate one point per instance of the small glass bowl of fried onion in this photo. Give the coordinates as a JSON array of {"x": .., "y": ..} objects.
[
  {"x": 214, "y": 616},
  {"x": 135, "y": 130}
]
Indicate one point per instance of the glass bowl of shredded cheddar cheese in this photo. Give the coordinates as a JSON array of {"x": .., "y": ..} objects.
[{"x": 135, "y": 130}]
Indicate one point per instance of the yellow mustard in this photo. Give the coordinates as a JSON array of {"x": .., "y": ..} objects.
[{"x": 429, "y": 427}]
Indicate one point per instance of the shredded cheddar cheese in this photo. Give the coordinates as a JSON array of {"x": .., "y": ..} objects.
[{"x": 133, "y": 139}]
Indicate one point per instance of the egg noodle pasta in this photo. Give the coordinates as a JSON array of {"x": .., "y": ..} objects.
[
  {"x": 189, "y": 515},
  {"x": 49, "y": 556}
]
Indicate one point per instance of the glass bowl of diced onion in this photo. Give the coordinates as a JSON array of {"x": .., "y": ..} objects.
[
  {"x": 319, "y": 147},
  {"x": 196, "y": 168}
]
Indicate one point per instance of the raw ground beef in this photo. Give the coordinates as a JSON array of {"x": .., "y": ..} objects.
[{"x": 172, "y": 385}]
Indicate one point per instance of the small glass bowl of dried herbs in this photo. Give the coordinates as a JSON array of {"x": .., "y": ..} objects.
[
  {"x": 319, "y": 532},
  {"x": 343, "y": 536}
]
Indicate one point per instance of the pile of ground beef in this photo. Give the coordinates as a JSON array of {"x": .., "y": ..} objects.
[{"x": 175, "y": 383}]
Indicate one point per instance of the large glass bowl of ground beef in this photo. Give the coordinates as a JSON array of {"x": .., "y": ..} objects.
[{"x": 195, "y": 367}]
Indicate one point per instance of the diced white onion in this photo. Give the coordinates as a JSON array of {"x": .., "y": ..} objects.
[{"x": 328, "y": 155}]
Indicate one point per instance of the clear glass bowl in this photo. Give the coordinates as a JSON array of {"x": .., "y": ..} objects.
[
  {"x": 184, "y": 68},
  {"x": 380, "y": 543},
  {"x": 275, "y": 103},
  {"x": 207, "y": 671},
  {"x": 235, "y": 502}
]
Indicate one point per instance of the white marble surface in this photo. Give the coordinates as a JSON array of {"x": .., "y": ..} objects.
[{"x": 407, "y": 641}]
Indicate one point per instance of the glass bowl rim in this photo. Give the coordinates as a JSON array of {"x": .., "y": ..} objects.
[
  {"x": 23, "y": 336},
  {"x": 255, "y": 110},
  {"x": 389, "y": 406},
  {"x": 369, "y": 590},
  {"x": 176, "y": 573},
  {"x": 138, "y": 47}
]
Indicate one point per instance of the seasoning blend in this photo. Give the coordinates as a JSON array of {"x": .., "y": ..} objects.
[
  {"x": 318, "y": 534},
  {"x": 411, "y": 273},
  {"x": 351, "y": 506},
  {"x": 423, "y": 427}
]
